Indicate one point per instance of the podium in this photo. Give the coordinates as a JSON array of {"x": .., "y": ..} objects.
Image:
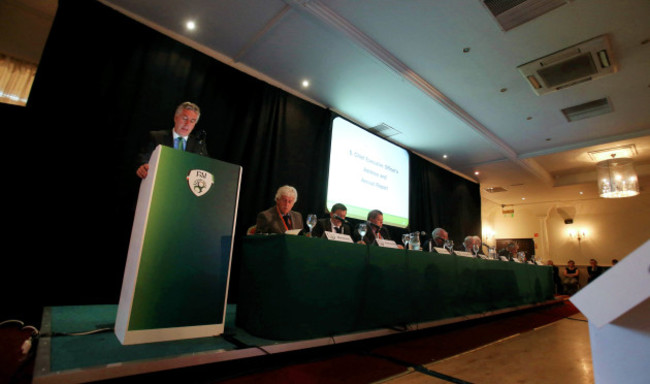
[{"x": 178, "y": 265}]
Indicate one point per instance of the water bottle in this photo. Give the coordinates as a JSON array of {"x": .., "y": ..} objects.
[{"x": 415, "y": 241}]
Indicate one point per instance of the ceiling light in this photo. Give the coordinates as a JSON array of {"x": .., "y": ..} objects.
[
  {"x": 617, "y": 178},
  {"x": 476, "y": 173},
  {"x": 305, "y": 83},
  {"x": 523, "y": 198},
  {"x": 444, "y": 156},
  {"x": 627, "y": 151},
  {"x": 191, "y": 25},
  {"x": 466, "y": 49}
]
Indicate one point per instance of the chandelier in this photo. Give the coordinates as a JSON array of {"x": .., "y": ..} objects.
[{"x": 617, "y": 178}]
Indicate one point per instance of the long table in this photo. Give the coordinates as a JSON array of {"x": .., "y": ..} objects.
[{"x": 295, "y": 287}]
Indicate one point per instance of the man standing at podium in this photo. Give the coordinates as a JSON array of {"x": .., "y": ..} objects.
[
  {"x": 185, "y": 118},
  {"x": 280, "y": 218}
]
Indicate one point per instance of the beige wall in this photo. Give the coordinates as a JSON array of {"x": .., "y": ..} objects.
[{"x": 615, "y": 227}]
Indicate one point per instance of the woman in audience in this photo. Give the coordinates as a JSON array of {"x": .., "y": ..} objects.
[{"x": 570, "y": 281}]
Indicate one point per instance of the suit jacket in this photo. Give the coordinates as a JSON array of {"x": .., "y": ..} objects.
[
  {"x": 165, "y": 137},
  {"x": 326, "y": 225},
  {"x": 369, "y": 238},
  {"x": 269, "y": 221}
]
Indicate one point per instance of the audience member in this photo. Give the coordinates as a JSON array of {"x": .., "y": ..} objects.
[
  {"x": 570, "y": 280},
  {"x": 594, "y": 270},
  {"x": 185, "y": 118},
  {"x": 335, "y": 223},
  {"x": 280, "y": 218}
]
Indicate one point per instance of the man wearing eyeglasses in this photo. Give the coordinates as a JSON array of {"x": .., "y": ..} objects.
[{"x": 180, "y": 137}]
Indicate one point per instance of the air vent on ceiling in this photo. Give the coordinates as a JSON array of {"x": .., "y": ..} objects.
[
  {"x": 384, "y": 130},
  {"x": 512, "y": 13},
  {"x": 586, "y": 110},
  {"x": 577, "y": 64},
  {"x": 495, "y": 189}
]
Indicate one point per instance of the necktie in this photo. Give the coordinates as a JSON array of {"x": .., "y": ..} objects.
[
  {"x": 287, "y": 219},
  {"x": 179, "y": 143},
  {"x": 337, "y": 229}
]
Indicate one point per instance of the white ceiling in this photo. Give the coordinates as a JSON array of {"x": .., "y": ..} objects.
[{"x": 401, "y": 63}]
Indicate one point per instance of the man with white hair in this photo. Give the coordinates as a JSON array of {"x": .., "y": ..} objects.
[
  {"x": 438, "y": 238},
  {"x": 280, "y": 218}
]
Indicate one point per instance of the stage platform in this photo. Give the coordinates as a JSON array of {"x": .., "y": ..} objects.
[{"x": 69, "y": 352}]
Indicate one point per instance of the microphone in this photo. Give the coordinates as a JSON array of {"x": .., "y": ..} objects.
[{"x": 340, "y": 218}]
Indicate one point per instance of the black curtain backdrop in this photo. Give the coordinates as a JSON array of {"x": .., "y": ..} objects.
[
  {"x": 103, "y": 83},
  {"x": 439, "y": 198}
]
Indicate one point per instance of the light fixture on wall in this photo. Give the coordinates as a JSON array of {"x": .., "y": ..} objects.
[
  {"x": 579, "y": 235},
  {"x": 488, "y": 235},
  {"x": 617, "y": 178}
]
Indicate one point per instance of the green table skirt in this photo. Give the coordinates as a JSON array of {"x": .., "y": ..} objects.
[{"x": 295, "y": 288}]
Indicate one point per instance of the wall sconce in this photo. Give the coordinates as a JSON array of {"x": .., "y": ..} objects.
[
  {"x": 579, "y": 235},
  {"x": 488, "y": 234}
]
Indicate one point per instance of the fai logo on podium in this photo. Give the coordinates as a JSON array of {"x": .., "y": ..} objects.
[{"x": 200, "y": 181}]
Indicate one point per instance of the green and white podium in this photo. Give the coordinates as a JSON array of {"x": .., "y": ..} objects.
[{"x": 176, "y": 276}]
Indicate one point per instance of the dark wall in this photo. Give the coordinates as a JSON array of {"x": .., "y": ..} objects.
[{"x": 89, "y": 111}]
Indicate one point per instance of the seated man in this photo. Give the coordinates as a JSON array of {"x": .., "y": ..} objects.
[
  {"x": 375, "y": 231},
  {"x": 510, "y": 251},
  {"x": 438, "y": 238},
  {"x": 280, "y": 218},
  {"x": 469, "y": 242},
  {"x": 335, "y": 223}
]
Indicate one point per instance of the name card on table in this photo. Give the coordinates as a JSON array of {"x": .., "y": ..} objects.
[
  {"x": 464, "y": 253},
  {"x": 386, "y": 243},
  {"x": 294, "y": 232},
  {"x": 441, "y": 250},
  {"x": 503, "y": 258},
  {"x": 338, "y": 237}
]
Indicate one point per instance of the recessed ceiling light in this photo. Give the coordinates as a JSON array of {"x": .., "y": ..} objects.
[
  {"x": 548, "y": 139},
  {"x": 476, "y": 173},
  {"x": 523, "y": 198},
  {"x": 503, "y": 90},
  {"x": 529, "y": 118},
  {"x": 444, "y": 156},
  {"x": 305, "y": 83},
  {"x": 466, "y": 49},
  {"x": 191, "y": 25},
  {"x": 581, "y": 192}
]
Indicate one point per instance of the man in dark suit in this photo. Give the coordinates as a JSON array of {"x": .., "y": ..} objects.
[
  {"x": 180, "y": 137},
  {"x": 280, "y": 218},
  {"x": 375, "y": 231},
  {"x": 438, "y": 238},
  {"x": 335, "y": 223}
]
